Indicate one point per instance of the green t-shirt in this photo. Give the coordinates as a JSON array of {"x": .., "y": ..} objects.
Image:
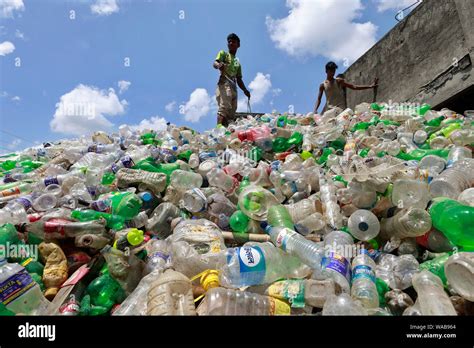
[{"x": 233, "y": 69}]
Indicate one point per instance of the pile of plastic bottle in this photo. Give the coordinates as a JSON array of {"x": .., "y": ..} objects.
[{"x": 353, "y": 212}]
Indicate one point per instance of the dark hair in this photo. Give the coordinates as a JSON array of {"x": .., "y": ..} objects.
[
  {"x": 233, "y": 36},
  {"x": 331, "y": 66}
]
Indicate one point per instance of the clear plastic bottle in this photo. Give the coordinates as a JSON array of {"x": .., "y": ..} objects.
[
  {"x": 454, "y": 180},
  {"x": 19, "y": 292},
  {"x": 459, "y": 270},
  {"x": 343, "y": 304},
  {"x": 159, "y": 223},
  {"x": 432, "y": 298},
  {"x": 331, "y": 209},
  {"x": 302, "y": 209},
  {"x": 411, "y": 222},
  {"x": 183, "y": 180},
  {"x": 363, "y": 286},
  {"x": 155, "y": 182},
  {"x": 218, "y": 178},
  {"x": 254, "y": 201},
  {"x": 221, "y": 301},
  {"x": 295, "y": 244},
  {"x": 363, "y": 225},
  {"x": 259, "y": 263},
  {"x": 171, "y": 294},
  {"x": 311, "y": 223},
  {"x": 278, "y": 216},
  {"x": 410, "y": 193},
  {"x": 467, "y": 197},
  {"x": 194, "y": 200},
  {"x": 338, "y": 247}
]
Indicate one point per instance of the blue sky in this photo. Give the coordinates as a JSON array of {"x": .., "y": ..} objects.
[{"x": 55, "y": 64}]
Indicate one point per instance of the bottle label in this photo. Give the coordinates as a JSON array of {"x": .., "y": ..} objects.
[
  {"x": 10, "y": 192},
  {"x": 102, "y": 205},
  {"x": 15, "y": 286},
  {"x": 337, "y": 263},
  {"x": 252, "y": 260},
  {"x": 56, "y": 227},
  {"x": 70, "y": 307},
  {"x": 159, "y": 254},
  {"x": 127, "y": 162},
  {"x": 77, "y": 276},
  {"x": 278, "y": 307},
  {"x": 52, "y": 180},
  {"x": 115, "y": 168},
  {"x": 363, "y": 271},
  {"x": 283, "y": 237},
  {"x": 24, "y": 202},
  {"x": 289, "y": 290}
]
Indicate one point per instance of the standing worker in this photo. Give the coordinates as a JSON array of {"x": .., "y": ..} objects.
[
  {"x": 231, "y": 76},
  {"x": 334, "y": 89}
]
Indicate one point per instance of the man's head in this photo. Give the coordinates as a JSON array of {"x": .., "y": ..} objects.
[
  {"x": 233, "y": 42},
  {"x": 331, "y": 69}
]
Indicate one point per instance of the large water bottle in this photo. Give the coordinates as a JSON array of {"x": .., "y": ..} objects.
[
  {"x": 259, "y": 263},
  {"x": 19, "y": 292},
  {"x": 363, "y": 286},
  {"x": 336, "y": 261},
  {"x": 432, "y": 298},
  {"x": 221, "y": 301}
]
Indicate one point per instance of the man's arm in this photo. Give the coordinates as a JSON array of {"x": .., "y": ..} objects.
[
  {"x": 218, "y": 65},
  {"x": 343, "y": 83},
  {"x": 241, "y": 84},
  {"x": 320, "y": 95}
]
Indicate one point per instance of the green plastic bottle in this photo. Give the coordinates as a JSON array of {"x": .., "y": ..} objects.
[
  {"x": 124, "y": 204},
  {"x": 102, "y": 293},
  {"x": 424, "y": 109},
  {"x": 446, "y": 131},
  {"x": 376, "y": 107},
  {"x": 324, "y": 156},
  {"x": 280, "y": 144},
  {"x": 243, "y": 184},
  {"x": 278, "y": 216},
  {"x": 8, "y": 233},
  {"x": 418, "y": 154},
  {"x": 108, "y": 178},
  {"x": 435, "y": 122},
  {"x": 282, "y": 120},
  {"x": 295, "y": 139},
  {"x": 436, "y": 266},
  {"x": 454, "y": 220},
  {"x": 114, "y": 222},
  {"x": 184, "y": 156},
  {"x": 239, "y": 222},
  {"x": 255, "y": 154}
]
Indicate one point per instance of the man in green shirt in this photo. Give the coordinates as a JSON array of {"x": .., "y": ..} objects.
[{"x": 231, "y": 77}]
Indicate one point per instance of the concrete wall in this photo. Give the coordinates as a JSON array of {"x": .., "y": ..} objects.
[{"x": 427, "y": 57}]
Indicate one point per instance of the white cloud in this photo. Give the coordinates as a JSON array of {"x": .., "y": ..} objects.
[
  {"x": 197, "y": 106},
  {"x": 84, "y": 109},
  {"x": 322, "y": 27},
  {"x": 104, "y": 7},
  {"x": 259, "y": 88},
  {"x": 7, "y": 7},
  {"x": 123, "y": 86},
  {"x": 16, "y": 98},
  {"x": 155, "y": 123},
  {"x": 3, "y": 94},
  {"x": 384, "y": 5},
  {"x": 6, "y": 47},
  {"x": 19, "y": 34},
  {"x": 276, "y": 92},
  {"x": 171, "y": 106}
]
